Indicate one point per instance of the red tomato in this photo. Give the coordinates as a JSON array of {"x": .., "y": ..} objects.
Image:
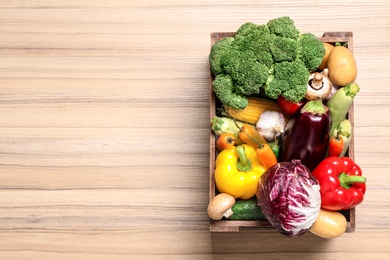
[{"x": 288, "y": 107}]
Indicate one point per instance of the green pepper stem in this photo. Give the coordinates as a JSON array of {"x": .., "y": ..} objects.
[
  {"x": 347, "y": 180},
  {"x": 243, "y": 163}
]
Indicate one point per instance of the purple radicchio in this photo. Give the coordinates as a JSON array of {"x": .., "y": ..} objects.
[{"x": 289, "y": 196}]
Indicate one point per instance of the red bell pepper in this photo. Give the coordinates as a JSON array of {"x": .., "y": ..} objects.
[{"x": 341, "y": 181}]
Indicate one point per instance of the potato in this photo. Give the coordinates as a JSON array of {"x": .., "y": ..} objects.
[
  {"x": 342, "y": 66},
  {"x": 329, "y": 224}
]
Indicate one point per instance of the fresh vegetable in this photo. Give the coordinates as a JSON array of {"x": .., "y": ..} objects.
[
  {"x": 247, "y": 73},
  {"x": 273, "y": 56},
  {"x": 225, "y": 141},
  {"x": 289, "y": 80},
  {"x": 342, "y": 66},
  {"x": 336, "y": 145},
  {"x": 238, "y": 171},
  {"x": 264, "y": 152},
  {"x": 319, "y": 86},
  {"x": 251, "y": 114},
  {"x": 271, "y": 125},
  {"x": 341, "y": 102},
  {"x": 283, "y": 27},
  {"x": 306, "y": 135},
  {"x": 216, "y": 52},
  {"x": 289, "y": 197},
  {"x": 247, "y": 210},
  {"x": 221, "y": 206},
  {"x": 311, "y": 51},
  {"x": 332, "y": 92},
  {"x": 249, "y": 135},
  {"x": 225, "y": 125},
  {"x": 224, "y": 90},
  {"x": 288, "y": 107},
  {"x": 329, "y": 224},
  {"x": 342, "y": 184},
  {"x": 266, "y": 156},
  {"x": 344, "y": 131},
  {"x": 328, "y": 49}
]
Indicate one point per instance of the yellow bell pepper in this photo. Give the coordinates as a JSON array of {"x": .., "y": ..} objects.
[{"x": 237, "y": 171}]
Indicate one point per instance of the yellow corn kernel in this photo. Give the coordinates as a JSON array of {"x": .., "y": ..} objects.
[{"x": 252, "y": 112}]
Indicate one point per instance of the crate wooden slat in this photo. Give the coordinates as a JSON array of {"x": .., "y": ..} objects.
[{"x": 225, "y": 225}]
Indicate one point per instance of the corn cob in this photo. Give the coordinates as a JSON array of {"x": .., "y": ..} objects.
[{"x": 252, "y": 112}]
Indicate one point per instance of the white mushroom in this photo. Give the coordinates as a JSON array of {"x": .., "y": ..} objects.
[
  {"x": 319, "y": 86},
  {"x": 221, "y": 206}
]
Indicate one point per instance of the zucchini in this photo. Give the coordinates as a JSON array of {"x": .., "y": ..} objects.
[
  {"x": 225, "y": 125},
  {"x": 247, "y": 210},
  {"x": 340, "y": 103}
]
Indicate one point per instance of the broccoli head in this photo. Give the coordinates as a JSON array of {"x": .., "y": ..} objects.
[
  {"x": 247, "y": 73},
  {"x": 284, "y": 27},
  {"x": 289, "y": 80},
  {"x": 216, "y": 52},
  {"x": 311, "y": 50},
  {"x": 272, "y": 56},
  {"x": 224, "y": 90}
]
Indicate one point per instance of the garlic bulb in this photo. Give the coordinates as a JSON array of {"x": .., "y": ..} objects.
[{"x": 271, "y": 125}]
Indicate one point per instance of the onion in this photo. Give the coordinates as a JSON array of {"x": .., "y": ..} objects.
[
  {"x": 332, "y": 92},
  {"x": 289, "y": 196},
  {"x": 271, "y": 125}
]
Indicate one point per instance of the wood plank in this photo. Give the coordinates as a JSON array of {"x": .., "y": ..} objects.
[{"x": 104, "y": 128}]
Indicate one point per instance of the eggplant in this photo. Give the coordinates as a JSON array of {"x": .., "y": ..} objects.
[{"x": 306, "y": 135}]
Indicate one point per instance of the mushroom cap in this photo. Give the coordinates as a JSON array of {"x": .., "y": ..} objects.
[
  {"x": 220, "y": 206},
  {"x": 319, "y": 86}
]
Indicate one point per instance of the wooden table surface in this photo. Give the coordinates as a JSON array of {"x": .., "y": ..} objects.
[{"x": 104, "y": 129}]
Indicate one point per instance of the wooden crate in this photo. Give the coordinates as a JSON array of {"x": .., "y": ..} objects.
[{"x": 225, "y": 225}]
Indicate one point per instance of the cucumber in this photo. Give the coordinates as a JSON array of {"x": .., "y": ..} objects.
[
  {"x": 247, "y": 210},
  {"x": 340, "y": 103}
]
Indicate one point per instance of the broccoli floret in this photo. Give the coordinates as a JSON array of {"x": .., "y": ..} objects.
[
  {"x": 283, "y": 26},
  {"x": 224, "y": 88},
  {"x": 216, "y": 52},
  {"x": 250, "y": 28},
  {"x": 247, "y": 73},
  {"x": 265, "y": 57},
  {"x": 252, "y": 37},
  {"x": 275, "y": 87},
  {"x": 294, "y": 72},
  {"x": 283, "y": 48},
  {"x": 286, "y": 75},
  {"x": 311, "y": 50},
  {"x": 295, "y": 94},
  {"x": 255, "y": 38}
]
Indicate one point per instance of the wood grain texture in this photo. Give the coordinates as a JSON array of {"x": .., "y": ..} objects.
[{"x": 104, "y": 129}]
